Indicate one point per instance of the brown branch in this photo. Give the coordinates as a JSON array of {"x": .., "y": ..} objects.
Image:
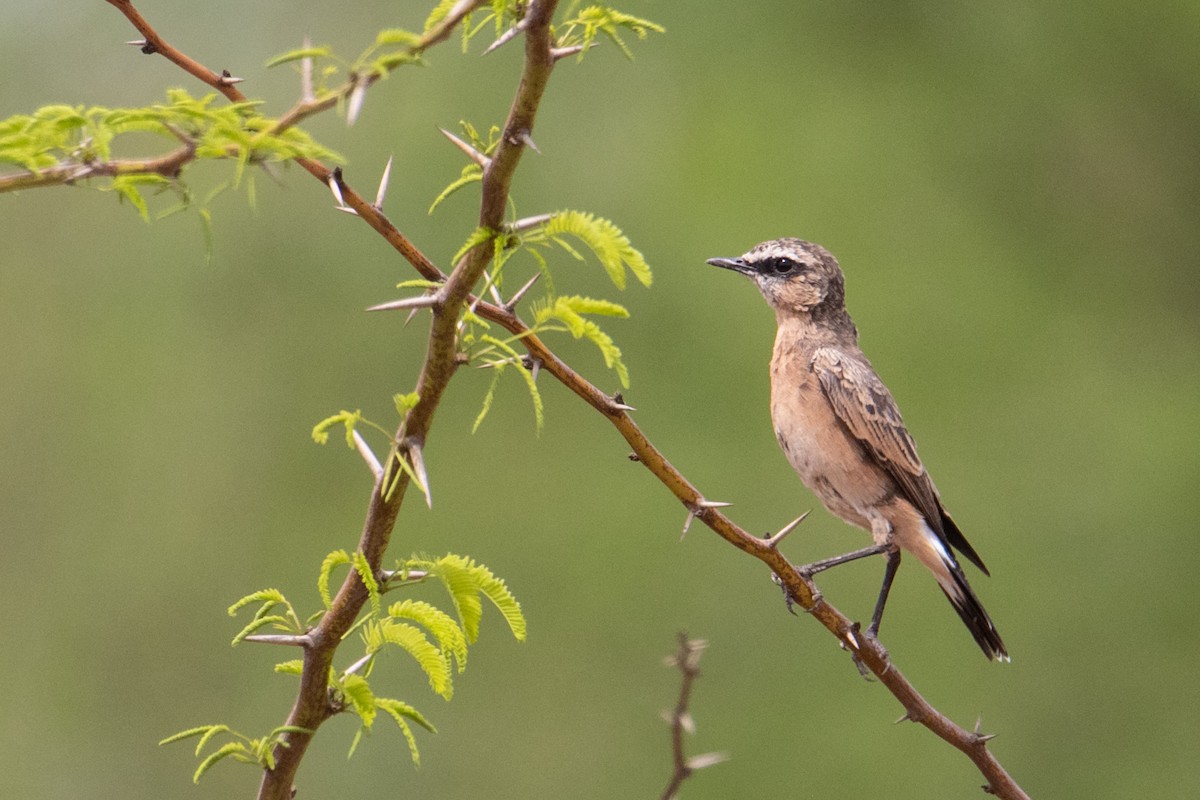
[
  {"x": 312, "y": 706},
  {"x": 168, "y": 166}
]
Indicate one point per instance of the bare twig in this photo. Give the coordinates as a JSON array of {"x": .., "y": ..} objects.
[{"x": 687, "y": 660}]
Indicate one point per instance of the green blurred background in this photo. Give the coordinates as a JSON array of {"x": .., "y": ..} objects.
[{"x": 1013, "y": 192}]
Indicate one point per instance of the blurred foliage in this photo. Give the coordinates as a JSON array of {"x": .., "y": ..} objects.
[{"x": 1012, "y": 191}]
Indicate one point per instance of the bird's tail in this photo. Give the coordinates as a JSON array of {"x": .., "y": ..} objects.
[{"x": 954, "y": 583}]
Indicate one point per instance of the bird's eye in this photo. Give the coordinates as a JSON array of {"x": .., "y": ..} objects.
[{"x": 780, "y": 266}]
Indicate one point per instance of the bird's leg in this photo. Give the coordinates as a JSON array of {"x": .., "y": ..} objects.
[
  {"x": 808, "y": 570},
  {"x": 893, "y": 564}
]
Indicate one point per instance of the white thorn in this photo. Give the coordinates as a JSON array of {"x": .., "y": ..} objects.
[
  {"x": 506, "y": 37},
  {"x": 516, "y": 298},
  {"x": 337, "y": 191},
  {"x": 347, "y": 209},
  {"x": 706, "y": 760},
  {"x": 364, "y": 450},
  {"x": 786, "y": 529},
  {"x": 357, "y": 95},
  {"x": 528, "y": 222},
  {"x": 383, "y": 184},
  {"x": 229, "y": 80},
  {"x": 528, "y": 140},
  {"x": 306, "y": 75},
  {"x": 850, "y": 637},
  {"x": 565, "y": 52},
  {"x": 535, "y": 369},
  {"x": 702, "y": 503},
  {"x": 137, "y": 42},
  {"x": 282, "y": 639},
  {"x": 624, "y": 407},
  {"x": 492, "y": 289},
  {"x": 473, "y": 154},
  {"x": 357, "y": 665},
  {"x": 423, "y": 301},
  {"x": 418, "y": 465},
  {"x": 687, "y": 722},
  {"x": 687, "y": 524}
]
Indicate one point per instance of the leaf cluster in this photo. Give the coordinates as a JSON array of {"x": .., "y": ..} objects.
[{"x": 437, "y": 641}]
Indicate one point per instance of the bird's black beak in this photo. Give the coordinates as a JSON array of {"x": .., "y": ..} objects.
[{"x": 735, "y": 264}]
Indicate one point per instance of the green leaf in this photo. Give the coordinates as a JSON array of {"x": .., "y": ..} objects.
[
  {"x": 362, "y": 700},
  {"x": 449, "y": 635},
  {"x": 201, "y": 730},
  {"x": 465, "y": 580},
  {"x": 293, "y": 667},
  {"x": 431, "y": 660},
  {"x": 401, "y": 713},
  {"x": 595, "y": 20},
  {"x": 569, "y": 311},
  {"x": 231, "y": 749},
  {"x": 406, "y": 402},
  {"x": 367, "y": 576},
  {"x": 610, "y": 246},
  {"x": 272, "y": 596},
  {"x": 534, "y": 394},
  {"x": 478, "y": 236},
  {"x": 335, "y": 559},
  {"x": 471, "y": 173},
  {"x": 298, "y": 54},
  {"x": 320, "y": 431},
  {"x": 497, "y": 369}
]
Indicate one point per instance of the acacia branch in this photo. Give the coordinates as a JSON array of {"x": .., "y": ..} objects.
[{"x": 312, "y": 705}]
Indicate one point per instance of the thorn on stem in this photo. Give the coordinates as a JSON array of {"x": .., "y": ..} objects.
[
  {"x": 383, "y": 184},
  {"x": 471, "y": 153},
  {"x": 773, "y": 541},
  {"x": 516, "y": 298},
  {"x": 227, "y": 79}
]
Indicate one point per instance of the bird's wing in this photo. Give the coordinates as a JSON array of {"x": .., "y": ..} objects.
[{"x": 866, "y": 408}]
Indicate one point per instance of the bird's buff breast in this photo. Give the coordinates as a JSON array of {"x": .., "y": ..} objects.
[{"x": 830, "y": 462}]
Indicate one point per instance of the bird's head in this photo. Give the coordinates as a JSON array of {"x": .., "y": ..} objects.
[{"x": 795, "y": 276}]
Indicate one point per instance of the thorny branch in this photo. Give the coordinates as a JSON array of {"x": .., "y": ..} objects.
[{"x": 312, "y": 706}]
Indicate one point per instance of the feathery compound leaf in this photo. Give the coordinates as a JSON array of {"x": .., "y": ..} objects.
[
  {"x": 478, "y": 236},
  {"x": 401, "y": 713},
  {"x": 335, "y": 559},
  {"x": 611, "y": 247},
  {"x": 432, "y": 660},
  {"x": 362, "y": 700},
  {"x": 569, "y": 311},
  {"x": 236, "y": 749},
  {"x": 534, "y": 395},
  {"x": 367, "y": 576},
  {"x": 471, "y": 173},
  {"x": 465, "y": 580},
  {"x": 293, "y": 667},
  {"x": 497, "y": 369},
  {"x": 320, "y": 431},
  {"x": 449, "y": 635},
  {"x": 595, "y": 20},
  {"x": 298, "y": 54},
  {"x": 202, "y": 730},
  {"x": 269, "y": 596}
]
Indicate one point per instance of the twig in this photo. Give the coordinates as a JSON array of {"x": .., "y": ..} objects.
[{"x": 687, "y": 660}]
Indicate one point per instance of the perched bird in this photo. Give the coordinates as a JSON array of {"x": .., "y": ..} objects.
[{"x": 842, "y": 432}]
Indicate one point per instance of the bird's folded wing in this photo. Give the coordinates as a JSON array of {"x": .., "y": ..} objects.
[{"x": 865, "y": 406}]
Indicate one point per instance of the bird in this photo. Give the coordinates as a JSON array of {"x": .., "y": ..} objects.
[{"x": 842, "y": 432}]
